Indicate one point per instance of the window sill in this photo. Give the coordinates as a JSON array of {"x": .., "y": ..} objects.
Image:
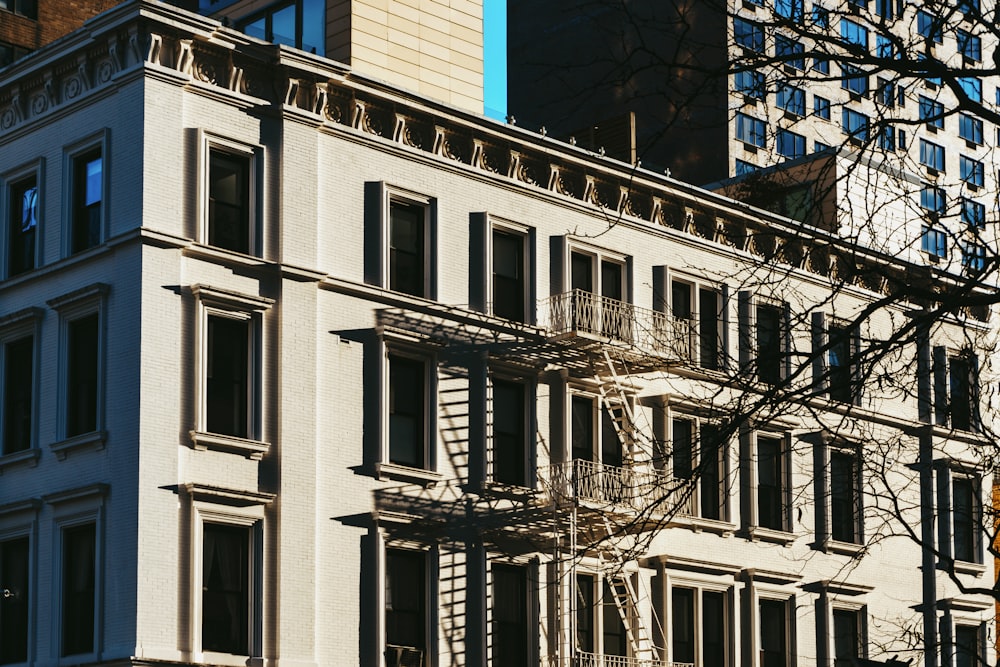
[
  {"x": 213, "y": 658},
  {"x": 505, "y": 490},
  {"x": 842, "y": 548},
  {"x": 759, "y": 533},
  {"x": 252, "y": 449},
  {"x": 698, "y": 525},
  {"x": 27, "y": 457},
  {"x": 402, "y": 473},
  {"x": 965, "y": 567},
  {"x": 93, "y": 440}
]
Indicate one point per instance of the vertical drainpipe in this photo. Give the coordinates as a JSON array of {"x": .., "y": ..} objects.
[{"x": 925, "y": 464}]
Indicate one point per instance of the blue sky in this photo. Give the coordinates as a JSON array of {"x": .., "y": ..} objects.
[{"x": 495, "y": 58}]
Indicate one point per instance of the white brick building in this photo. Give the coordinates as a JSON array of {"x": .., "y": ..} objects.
[{"x": 302, "y": 369}]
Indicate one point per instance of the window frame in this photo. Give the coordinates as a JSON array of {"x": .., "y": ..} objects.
[
  {"x": 754, "y": 131},
  {"x": 599, "y": 584},
  {"x": 784, "y": 533},
  {"x": 720, "y": 585},
  {"x": 931, "y": 112},
  {"x": 857, "y": 132},
  {"x": 528, "y": 386},
  {"x": 212, "y": 302},
  {"x": 211, "y": 144},
  {"x": 792, "y": 50},
  {"x": 798, "y": 144},
  {"x": 14, "y": 328},
  {"x": 948, "y": 473},
  {"x": 787, "y": 602},
  {"x": 840, "y": 604},
  {"x": 972, "y": 172},
  {"x": 99, "y": 142},
  {"x": 385, "y": 467},
  {"x": 667, "y": 460},
  {"x": 826, "y": 450},
  {"x": 932, "y": 156},
  {"x": 20, "y": 521},
  {"x": 10, "y": 181},
  {"x": 750, "y": 36},
  {"x": 824, "y": 347},
  {"x": 430, "y": 593},
  {"x": 821, "y": 107},
  {"x": 934, "y": 242},
  {"x": 388, "y": 197},
  {"x": 972, "y": 213},
  {"x": 526, "y": 235},
  {"x": 791, "y": 99},
  {"x": 528, "y": 569},
  {"x": 970, "y": 128},
  {"x": 698, "y": 344}
]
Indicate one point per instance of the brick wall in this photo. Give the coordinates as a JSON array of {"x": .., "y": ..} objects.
[{"x": 55, "y": 19}]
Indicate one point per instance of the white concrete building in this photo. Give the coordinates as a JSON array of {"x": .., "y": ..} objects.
[{"x": 303, "y": 369}]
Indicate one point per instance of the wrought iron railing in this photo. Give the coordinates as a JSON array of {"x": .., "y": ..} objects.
[
  {"x": 580, "y": 311},
  {"x": 633, "y": 487},
  {"x": 584, "y": 659}
]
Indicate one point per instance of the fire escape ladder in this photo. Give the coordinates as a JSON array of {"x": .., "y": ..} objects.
[
  {"x": 615, "y": 400},
  {"x": 627, "y": 602}
]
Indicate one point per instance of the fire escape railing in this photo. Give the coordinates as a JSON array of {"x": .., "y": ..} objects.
[
  {"x": 585, "y": 659},
  {"x": 634, "y": 487}
]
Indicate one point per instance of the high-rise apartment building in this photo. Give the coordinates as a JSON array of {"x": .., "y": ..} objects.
[{"x": 299, "y": 367}]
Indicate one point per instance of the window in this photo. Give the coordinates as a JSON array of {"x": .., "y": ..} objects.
[
  {"x": 884, "y": 8},
  {"x": 821, "y": 65},
  {"x": 18, "y": 364},
  {"x": 299, "y": 23},
  {"x": 792, "y": 99},
  {"x": 929, "y": 27},
  {"x": 790, "y": 52},
  {"x": 774, "y": 639},
  {"x": 854, "y": 34},
  {"x": 971, "y": 86},
  {"x": 886, "y": 93},
  {"x": 600, "y": 628},
  {"x": 971, "y": 171},
  {"x": 11, "y": 53},
  {"x": 771, "y": 484},
  {"x": 931, "y": 155},
  {"x": 698, "y": 457},
  {"x": 769, "y": 341},
  {"x": 845, "y": 496},
  {"x": 974, "y": 257},
  {"x": 855, "y": 124},
  {"x": 698, "y": 622},
  {"x": 968, "y": 6},
  {"x": 751, "y": 131},
  {"x": 853, "y": 79},
  {"x": 230, "y": 223},
  {"x": 510, "y": 453},
  {"x": 933, "y": 199},
  {"x": 931, "y": 112},
  {"x": 78, "y": 589},
  {"x": 934, "y": 242},
  {"x": 22, "y": 225},
  {"x": 968, "y": 646},
  {"x": 847, "y": 637},
  {"x": 743, "y": 167},
  {"x": 789, "y": 9},
  {"x": 26, "y": 8},
  {"x": 701, "y": 307},
  {"x": 790, "y": 144},
  {"x": 884, "y": 48},
  {"x": 82, "y": 380},
  {"x": 821, "y": 17},
  {"x": 887, "y": 138},
  {"x": 510, "y": 287},
  {"x": 970, "y": 128},
  {"x": 511, "y": 615},
  {"x": 407, "y": 243},
  {"x": 748, "y": 34},
  {"x": 965, "y": 525},
  {"x": 225, "y": 597},
  {"x": 408, "y": 410},
  {"x": 956, "y": 389},
  {"x": 821, "y": 107},
  {"x": 87, "y": 200},
  {"x": 599, "y": 282},
  {"x": 14, "y": 600},
  {"x": 819, "y": 147},
  {"x": 594, "y": 437},
  {"x": 230, "y": 371},
  {"x": 406, "y": 602},
  {"x": 841, "y": 381},
  {"x": 969, "y": 45},
  {"x": 902, "y": 140},
  {"x": 751, "y": 84}
]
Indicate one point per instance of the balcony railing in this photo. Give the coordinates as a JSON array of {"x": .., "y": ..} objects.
[
  {"x": 632, "y": 487},
  {"x": 584, "y": 659},
  {"x": 579, "y": 311}
]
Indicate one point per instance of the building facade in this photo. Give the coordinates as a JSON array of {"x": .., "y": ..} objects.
[
  {"x": 302, "y": 368},
  {"x": 26, "y": 25}
]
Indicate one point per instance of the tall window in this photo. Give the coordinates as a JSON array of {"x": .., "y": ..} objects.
[
  {"x": 845, "y": 492},
  {"x": 510, "y": 617},
  {"x": 931, "y": 112},
  {"x": 700, "y": 307},
  {"x": 82, "y": 356},
  {"x": 821, "y": 107},
  {"x": 698, "y": 456},
  {"x": 510, "y": 441},
  {"x": 22, "y": 226},
  {"x": 774, "y": 645},
  {"x": 769, "y": 344},
  {"x": 225, "y": 599},
  {"x": 18, "y": 390},
  {"x": 596, "y": 274},
  {"x": 965, "y": 519},
  {"x": 510, "y": 288},
  {"x": 698, "y": 639},
  {"x": 87, "y": 199},
  {"x": 14, "y": 600},
  {"x": 614, "y": 639},
  {"x": 78, "y": 589},
  {"x": 227, "y": 387},
  {"x": 841, "y": 380},
  {"x": 229, "y": 203},
  {"x": 593, "y": 433},
  {"x": 407, "y": 411},
  {"x": 770, "y": 483},
  {"x": 847, "y": 643},
  {"x": 407, "y": 243},
  {"x": 957, "y": 394},
  {"x": 405, "y": 606},
  {"x": 585, "y": 609},
  {"x": 968, "y": 652},
  {"x": 297, "y": 23}
]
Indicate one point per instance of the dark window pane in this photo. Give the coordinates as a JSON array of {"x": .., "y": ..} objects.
[
  {"x": 406, "y": 248},
  {"x": 81, "y": 381},
  {"x": 713, "y": 616},
  {"x": 769, "y": 344},
  {"x": 225, "y": 599},
  {"x": 407, "y": 405},
  {"x": 773, "y": 633},
  {"x": 405, "y": 598},
  {"x": 615, "y": 640},
  {"x": 23, "y": 226},
  {"x": 509, "y": 431},
  {"x": 18, "y": 371},
  {"x": 585, "y": 613},
  {"x": 14, "y": 605},
  {"x": 582, "y": 270},
  {"x": 88, "y": 193},
  {"x": 229, "y": 201},
  {"x": 611, "y": 444},
  {"x": 965, "y": 519},
  {"x": 846, "y": 638},
  {"x": 682, "y": 624},
  {"x": 960, "y": 393},
  {"x": 508, "y": 276},
  {"x": 841, "y": 372},
  {"x": 770, "y": 484},
  {"x": 682, "y": 432},
  {"x": 583, "y": 428},
  {"x": 710, "y": 482},
  {"x": 967, "y": 646},
  {"x": 78, "y": 589},
  {"x": 844, "y": 508},
  {"x": 227, "y": 391},
  {"x": 510, "y": 616},
  {"x": 708, "y": 328}
]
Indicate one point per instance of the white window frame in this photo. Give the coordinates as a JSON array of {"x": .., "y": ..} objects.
[
  {"x": 19, "y": 520},
  {"x": 695, "y": 287},
  {"x": 13, "y": 327},
  {"x": 785, "y": 534},
  {"x": 71, "y": 307},
  {"x": 233, "y": 507},
  {"x": 527, "y": 236},
  {"x": 217, "y": 302},
  {"x": 860, "y": 610},
  {"x": 725, "y": 469},
  {"x": 597, "y": 620},
  {"x": 947, "y": 472},
  {"x": 530, "y": 571},
  {"x": 761, "y": 593},
  {"x": 391, "y": 194},
  {"x": 8, "y": 180},
  {"x": 530, "y": 389},
  {"x": 825, "y": 531},
  {"x": 597, "y": 417},
  {"x": 254, "y": 153},
  {"x": 431, "y": 605},
  {"x": 100, "y": 140},
  {"x": 598, "y": 255},
  {"x": 715, "y": 584},
  {"x": 70, "y": 509},
  {"x": 384, "y": 467}
]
